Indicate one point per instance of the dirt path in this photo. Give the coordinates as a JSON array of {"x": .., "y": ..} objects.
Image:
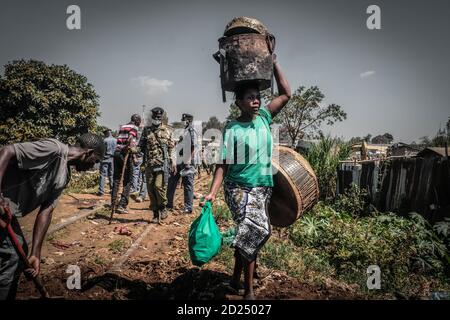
[{"x": 158, "y": 267}]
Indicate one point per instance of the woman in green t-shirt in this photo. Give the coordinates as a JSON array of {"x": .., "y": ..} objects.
[{"x": 246, "y": 170}]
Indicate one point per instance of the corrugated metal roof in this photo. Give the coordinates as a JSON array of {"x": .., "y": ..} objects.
[{"x": 436, "y": 150}]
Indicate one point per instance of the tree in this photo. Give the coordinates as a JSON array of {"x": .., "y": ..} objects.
[
  {"x": 100, "y": 130},
  {"x": 383, "y": 139},
  {"x": 389, "y": 137},
  {"x": 441, "y": 139},
  {"x": 367, "y": 138},
  {"x": 178, "y": 125},
  {"x": 233, "y": 112},
  {"x": 304, "y": 114},
  {"x": 213, "y": 123},
  {"x": 40, "y": 100},
  {"x": 425, "y": 141}
]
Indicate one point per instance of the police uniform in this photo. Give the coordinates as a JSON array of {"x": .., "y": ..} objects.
[
  {"x": 157, "y": 144},
  {"x": 185, "y": 170}
]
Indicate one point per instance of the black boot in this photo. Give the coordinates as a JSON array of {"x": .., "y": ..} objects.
[{"x": 155, "y": 216}]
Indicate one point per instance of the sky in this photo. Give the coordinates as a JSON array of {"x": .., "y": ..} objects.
[{"x": 159, "y": 53}]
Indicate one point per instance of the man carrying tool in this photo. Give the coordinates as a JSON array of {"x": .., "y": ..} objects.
[
  {"x": 33, "y": 175},
  {"x": 126, "y": 144},
  {"x": 157, "y": 145},
  {"x": 187, "y": 153}
]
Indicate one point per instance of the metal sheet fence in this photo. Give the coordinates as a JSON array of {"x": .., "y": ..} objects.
[{"x": 402, "y": 185}]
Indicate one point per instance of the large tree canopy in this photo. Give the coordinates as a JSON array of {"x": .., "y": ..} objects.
[
  {"x": 304, "y": 114},
  {"x": 39, "y": 100},
  {"x": 213, "y": 123},
  {"x": 383, "y": 139}
]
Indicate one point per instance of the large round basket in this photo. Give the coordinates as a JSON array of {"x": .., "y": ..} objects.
[{"x": 295, "y": 187}]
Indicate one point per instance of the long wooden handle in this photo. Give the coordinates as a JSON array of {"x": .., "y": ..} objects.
[
  {"x": 113, "y": 201},
  {"x": 22, "y": 255}
]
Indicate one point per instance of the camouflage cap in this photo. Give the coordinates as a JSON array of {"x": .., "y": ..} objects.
[{"x": 157, "y": 110}]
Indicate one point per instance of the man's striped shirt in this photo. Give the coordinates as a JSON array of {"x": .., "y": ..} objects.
[{"x": 125, "y": 132}]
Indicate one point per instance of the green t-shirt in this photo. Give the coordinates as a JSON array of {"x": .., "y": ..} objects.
[{"x": 247, "y": 149}]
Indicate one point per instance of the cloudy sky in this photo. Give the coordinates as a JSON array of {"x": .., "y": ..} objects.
[{"x": 159, "y": 53}]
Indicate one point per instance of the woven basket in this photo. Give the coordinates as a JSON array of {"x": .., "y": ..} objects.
[{"x": 295, "y": 187}]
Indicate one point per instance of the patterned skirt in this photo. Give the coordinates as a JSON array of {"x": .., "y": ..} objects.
[{"x": 249, "y": 206}]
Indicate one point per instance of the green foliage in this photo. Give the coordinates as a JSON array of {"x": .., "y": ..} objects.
[
  {"x": 324, "y": 158},
  {"x": 233, "y": 112},
  {"x": 354, "y": 201},
  {"x": 357, "y": 140},
  {"x": 441, "y": 139},
  {"x": 304, "y": 114},
  {"x": 222, "y": 213},
  {"x": 383, "y": 139},
  {"x": 213, "y": 123},
  {"x": 83, "y": 182},
  {"x": 40, "y": 100},
  {"x": 100, "y": 130},
  {"x": 99, "y": 260},
  {"x": 404, "y": 248},
  {"x": 443, "y": 228},
  {"x": 226, "y": 257},
  {"x": 116, "y": 246}
]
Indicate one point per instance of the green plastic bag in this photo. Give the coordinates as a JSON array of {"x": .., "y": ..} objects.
[{"x": 205, "y": 239}]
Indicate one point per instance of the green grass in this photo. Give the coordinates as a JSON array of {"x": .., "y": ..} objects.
[
  {"x": 103, "y": 213},
  {"x": 226, "y": 257},
  {"x": 222, "y": 213},
  {"x": 98, "y": 260},
  {"x": 116, "y": 246},
  {"x": 83, "y": 182},
  {"x": 56, "y": 235},
  {"x": 407, "y": 250}
]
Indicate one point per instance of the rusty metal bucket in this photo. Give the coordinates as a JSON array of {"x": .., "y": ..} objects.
[
  {"x": 245, "y": 54},
  {"x": 244, "y": 58},
  {"x": 295, "y": 188}
]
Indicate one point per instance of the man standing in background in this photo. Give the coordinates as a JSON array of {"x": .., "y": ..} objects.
[
  {"x": 186, "y": 162},
  {"x": 107, "y": 165},
  {"x": 126, "y": 143},
  {"x": 157, "y": 144}
]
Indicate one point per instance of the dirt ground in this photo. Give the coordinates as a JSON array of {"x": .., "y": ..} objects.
[{"x": 159, "y": 267}]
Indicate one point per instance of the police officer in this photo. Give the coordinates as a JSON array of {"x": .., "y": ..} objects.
[
  {"x": 157, "y": 144},
  {"x": 187, "y": 159}
]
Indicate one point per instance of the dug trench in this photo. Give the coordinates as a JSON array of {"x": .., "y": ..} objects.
[{"x": 157, "y": 267}]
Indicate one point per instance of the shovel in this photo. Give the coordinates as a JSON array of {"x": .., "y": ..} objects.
[{"x": 12, "y": 236}]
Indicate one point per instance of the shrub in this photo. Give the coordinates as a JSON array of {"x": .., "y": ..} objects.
[
  {"x": 399, "y": 246},
  {"x": 83, "y": 182},
  {"x": 40, "y": 101},
  {"x": 324, "y": 158},
  {"x": 354, "y": 201}
]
